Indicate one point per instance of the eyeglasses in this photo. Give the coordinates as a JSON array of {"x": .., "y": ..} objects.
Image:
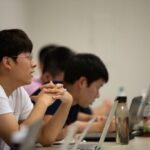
[{"x": 29, "y": 57}]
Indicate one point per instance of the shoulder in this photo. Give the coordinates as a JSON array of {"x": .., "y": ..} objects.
[
  {"x": 22, "y": 103},
  {"x": 20, "y": 96},
  {"x": 4, "y": 102},
  {"x": 20, "y": 92}
]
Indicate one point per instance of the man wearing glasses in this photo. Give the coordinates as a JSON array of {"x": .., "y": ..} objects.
[{"x": 16, "y": 109}]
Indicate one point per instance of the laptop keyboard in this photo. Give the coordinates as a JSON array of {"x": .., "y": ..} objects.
[{"x": 89, "y": 146}]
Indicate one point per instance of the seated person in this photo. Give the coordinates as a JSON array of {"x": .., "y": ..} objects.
[
  {"x": 53, "y": 59},
  {"x": 43, "y": 53},
  {"x": 16, "y": 109},
  {"x": 84, "y": 75},
  {"x": 37, "y": 81},
  {"x": 90, "y": 112}
]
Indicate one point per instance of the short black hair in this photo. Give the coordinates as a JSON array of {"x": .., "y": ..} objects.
[
  {"x": 44, "y": 50},
  {"x": 13, "y": 42},
  {"x": 87, "y": 65},
  {"x": 57, "y": 59}
]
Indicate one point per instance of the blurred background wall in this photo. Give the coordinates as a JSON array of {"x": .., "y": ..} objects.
[{"x": 118, "y": 31}]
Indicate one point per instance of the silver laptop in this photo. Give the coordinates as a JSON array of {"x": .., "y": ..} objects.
[
  {"x": 31, "y": 137},
  {"x": 134, "y": 120},
  {"x": 79, "y": 145},
  {"x": 89, "y": 145},
  {"x": 136, "y": 114},
  {"x": 69, "y": 142},
  {"x": 98, "y": 145}
]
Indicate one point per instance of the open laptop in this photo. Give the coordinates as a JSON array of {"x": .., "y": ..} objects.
[
  {"x": 79, "y": 145},
  {"x": 98, "y": 145},
  {"x": 93, "y": 145},
  {"x": 69, "y": 142},
  {"x": 111, "y": 136},
  {"x": 31, "y": 137},
  {"x": 135, "y": 112}
]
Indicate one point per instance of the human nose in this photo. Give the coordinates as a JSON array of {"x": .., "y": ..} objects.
[{"x": 33, "y": 63}]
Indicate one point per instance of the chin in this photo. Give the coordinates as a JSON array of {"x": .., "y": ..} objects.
[
  {"x": 84, "y": 106},
  {"x": 28, "y": 82}
]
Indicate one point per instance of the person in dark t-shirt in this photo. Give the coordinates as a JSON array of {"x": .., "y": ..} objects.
[{"x": 84, "y": 75}]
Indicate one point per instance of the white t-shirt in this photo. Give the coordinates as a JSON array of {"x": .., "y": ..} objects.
[{"x": 18, "y": 103}]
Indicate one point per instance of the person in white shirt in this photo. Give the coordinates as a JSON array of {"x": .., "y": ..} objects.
[{"x": 16, "y": 109}]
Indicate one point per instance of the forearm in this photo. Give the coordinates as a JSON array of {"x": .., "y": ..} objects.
[
  {"x": 54, "y": 125},
  {"x": 62, "y": 134},
  {"x": 37, "y": 113},
  {"x": 84, "y": 117},
  {"x": 96, "y": 126}
]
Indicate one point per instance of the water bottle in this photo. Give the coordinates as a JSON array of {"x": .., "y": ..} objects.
[
  {"x": 146, "y": 119},
  {"x": 122, "y": 121}
]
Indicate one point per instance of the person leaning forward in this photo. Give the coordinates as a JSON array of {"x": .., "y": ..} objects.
[{"x": 16, "y": 109}]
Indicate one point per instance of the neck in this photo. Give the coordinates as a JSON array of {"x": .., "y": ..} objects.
[
  {"x": 71, "y": 89},
  {"x": 8, "y": 86}
]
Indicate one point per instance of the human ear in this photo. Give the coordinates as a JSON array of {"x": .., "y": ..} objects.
[
  {"x": 82, "y": 82},
  {"x": 6, "y": 61},
  {"x": 46, "y": 77}
]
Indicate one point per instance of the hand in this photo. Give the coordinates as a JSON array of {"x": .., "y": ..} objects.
[
  {"x": 100, "y": 117},
  {"x": 62, "y": 94},
  {"x": 65, "y": 96},
  {"x": 49, "y": 93},
  {"x": 102, "y": 123}
]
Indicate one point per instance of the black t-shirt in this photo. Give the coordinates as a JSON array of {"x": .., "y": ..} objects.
[
  {"x": 73, "y": 113},
  {"x": 86, "y": 110}
]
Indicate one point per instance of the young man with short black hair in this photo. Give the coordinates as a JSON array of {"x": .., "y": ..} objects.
[{"x": 16, "y": 109}]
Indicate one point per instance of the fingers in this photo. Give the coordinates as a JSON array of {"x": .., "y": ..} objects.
[
  {"x": 57, "y": 91},
  {"x": 102, "y": 119},
  {"x": 34, "y": 98},
  {"x": 52, "y": 85},
  {"x": 48, "y": 85},
  {"x": 59, "y": 94},
  {"x": 54, "y": 89}
]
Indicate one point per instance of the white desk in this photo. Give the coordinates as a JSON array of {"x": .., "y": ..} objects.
[{"x": 138, "y": 143}]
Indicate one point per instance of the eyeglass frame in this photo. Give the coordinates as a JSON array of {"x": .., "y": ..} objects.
[{"x": 29, "y": 57}]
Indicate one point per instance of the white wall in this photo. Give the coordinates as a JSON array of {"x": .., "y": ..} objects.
[
  {"x": 14, "y": 14},
  {"x": 116, "y": 30}
]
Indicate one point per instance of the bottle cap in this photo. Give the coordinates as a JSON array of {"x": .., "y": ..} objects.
[{"x": 121, "y": 99}]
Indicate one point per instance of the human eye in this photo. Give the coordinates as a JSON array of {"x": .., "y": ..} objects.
[{"x": 30, "y": 57}]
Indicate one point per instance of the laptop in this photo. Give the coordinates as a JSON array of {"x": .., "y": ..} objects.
[
  {"x": 79, "y": 145},
  {"x": 135, "y": 113},
  {"x": 93, "y": 145},
  {"x": 98, "y": 145},
  {"x": 69, "y": 137},
  {"x": 31, "y": 137},
  {"x": 69, "y": 142}
]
